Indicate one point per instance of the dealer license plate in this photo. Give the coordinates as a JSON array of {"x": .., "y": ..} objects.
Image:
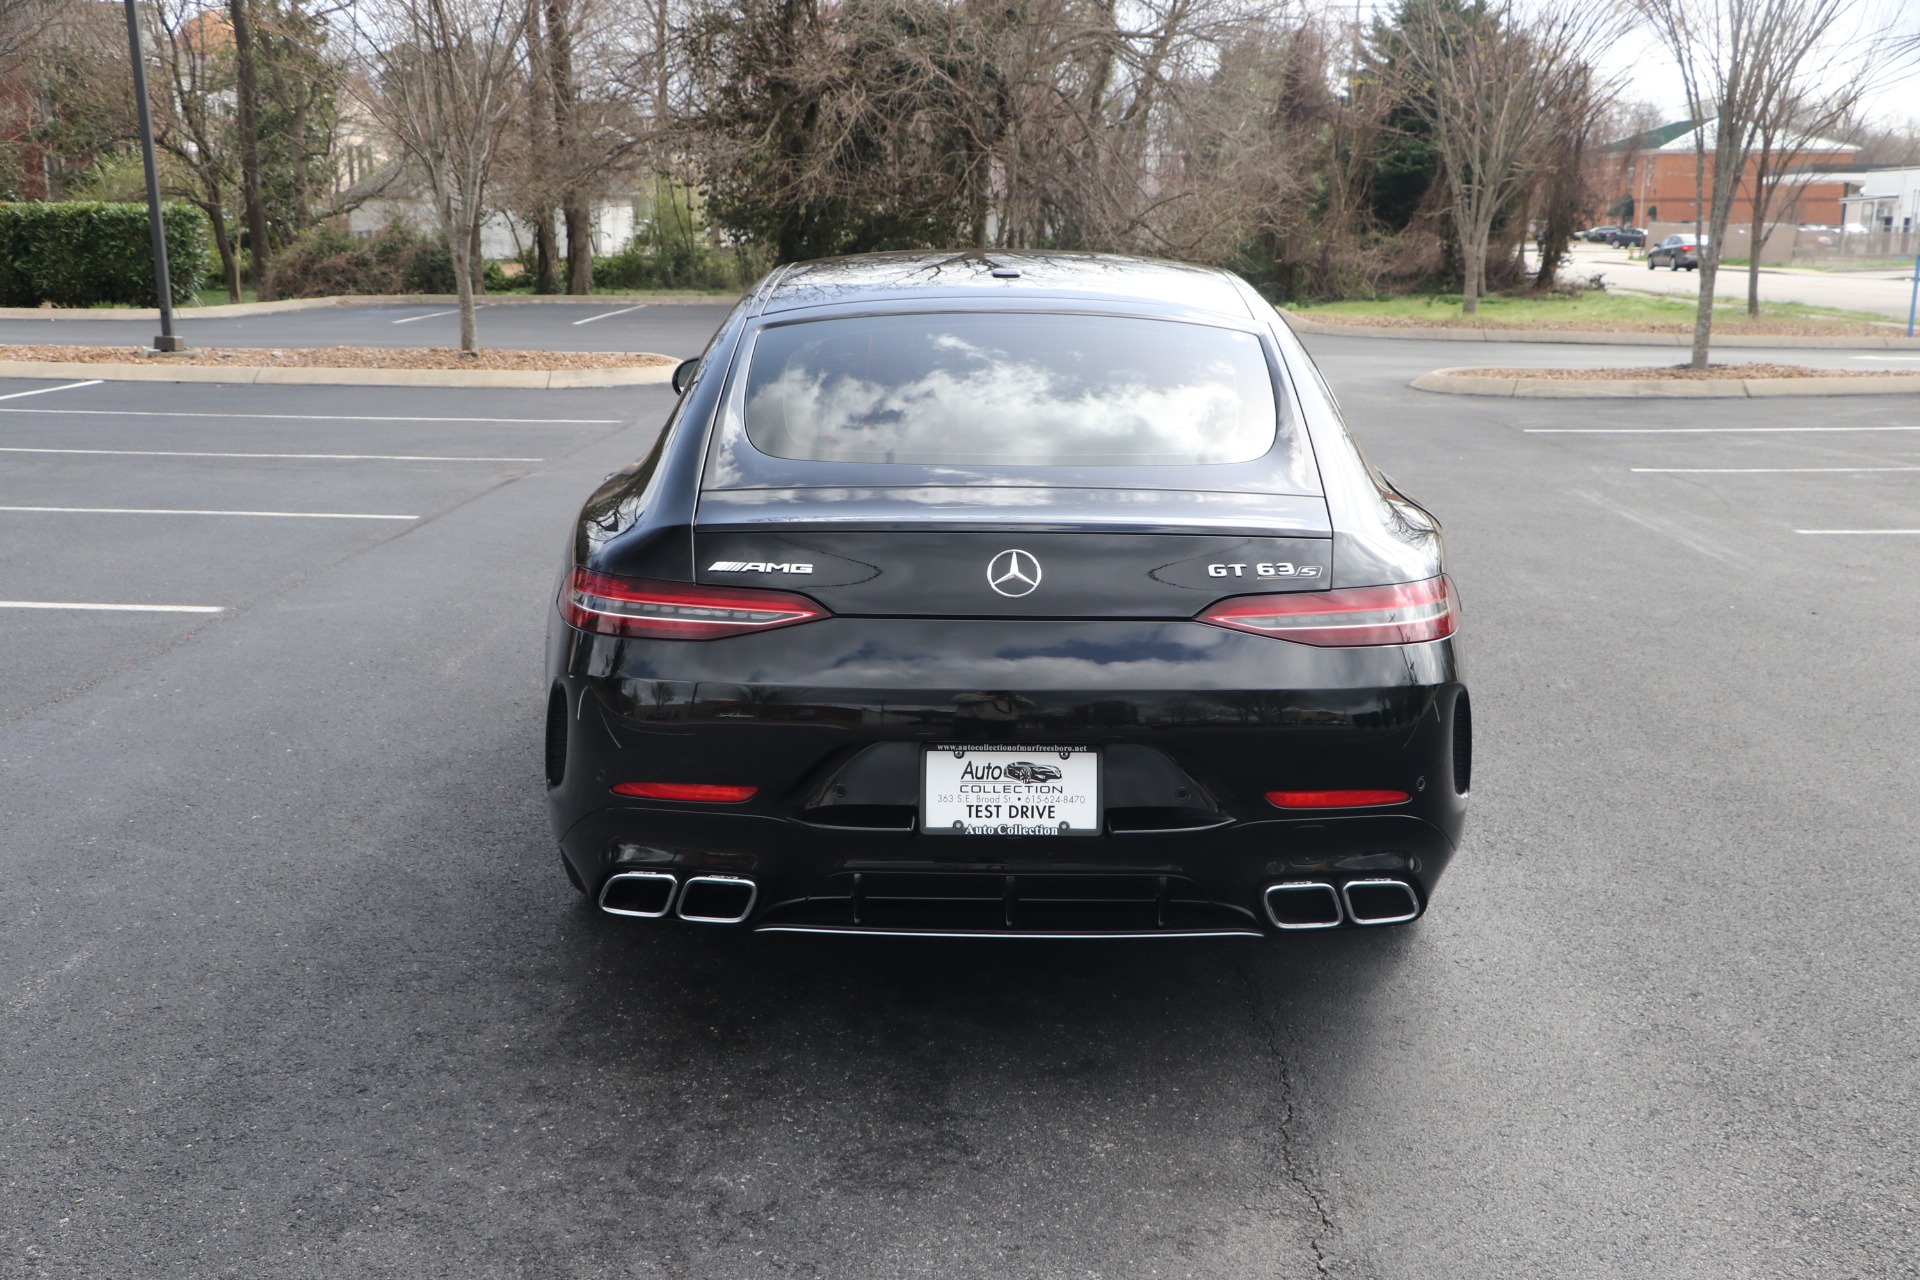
[{"x": 1010, "y": 791}]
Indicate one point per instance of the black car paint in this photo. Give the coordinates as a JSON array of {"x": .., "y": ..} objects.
[{"x": 1196, "y": 722}]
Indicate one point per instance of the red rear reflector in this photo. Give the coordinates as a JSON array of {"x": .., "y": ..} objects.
[
  {"x": 1334, "y": 799},
  {"x": 615, "y": 606},
  {"x": 1410, "y": 613},
  {"x": 708, "y": 792}
]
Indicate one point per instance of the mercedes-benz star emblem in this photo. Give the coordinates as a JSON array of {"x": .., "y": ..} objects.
[{"x": 1014, "y": 573}]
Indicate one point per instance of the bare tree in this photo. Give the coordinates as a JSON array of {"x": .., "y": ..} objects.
[
  {"x": 1743, "y": 63},
  {"x": 193, "y": 128},
  {"x": 1562, "y": 193},
  {"x": 247, "y": 126},
  {"x": 20, "y": 22},
  {"x": 446, "y": 82},
  {"x": 1482, "y": 78}
]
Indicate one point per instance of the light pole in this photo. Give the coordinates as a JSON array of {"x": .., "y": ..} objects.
[
  {"x": 1913, "y": 301},
  {"x": 167, "y": 340}
]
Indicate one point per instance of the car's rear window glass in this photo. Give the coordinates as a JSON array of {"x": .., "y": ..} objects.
[{"x": 1017, "y": 390}]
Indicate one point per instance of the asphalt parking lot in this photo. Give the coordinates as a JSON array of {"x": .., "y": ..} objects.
[
  {"x": 668, "y": 328},
  {"x": 295, "y": 987}
]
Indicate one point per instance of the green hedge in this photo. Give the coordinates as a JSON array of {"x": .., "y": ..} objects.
[{"x": 82, "y": 252}]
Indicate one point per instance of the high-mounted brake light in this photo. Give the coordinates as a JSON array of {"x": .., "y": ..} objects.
[
  {"x": 616, "y": 606},
  {"x": 707, "y": 792},
  {"x": 1410, "y": 613},
  {"x": 1334, "y": 799}
]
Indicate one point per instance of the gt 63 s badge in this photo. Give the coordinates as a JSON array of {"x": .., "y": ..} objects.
[{"x": 1277, "y": 570}]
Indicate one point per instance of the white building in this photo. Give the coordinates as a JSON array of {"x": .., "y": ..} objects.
[
  {"x": 1888, "y": 200},
  {"x": 501, "y": 237},
  {"x": 392, "y": 194}
]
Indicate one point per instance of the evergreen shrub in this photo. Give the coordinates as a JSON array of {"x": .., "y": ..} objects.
[{"x": 82, "y": 253}]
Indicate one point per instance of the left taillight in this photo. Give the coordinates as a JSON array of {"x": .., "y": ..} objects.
[
  {"x": 616, "y": 606},
  {"x": 1408, "y": 613}
]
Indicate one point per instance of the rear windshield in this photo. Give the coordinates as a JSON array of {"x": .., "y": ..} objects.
[{"x": 1011, "y": 390}]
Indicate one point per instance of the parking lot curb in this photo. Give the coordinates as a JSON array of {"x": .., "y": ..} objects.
[
  {"x": 161, "y": 370},
  {"x": 1583, "y": 337},
  {"x": 1463, "y": 382},
  {"x": 234, "y": 310}
]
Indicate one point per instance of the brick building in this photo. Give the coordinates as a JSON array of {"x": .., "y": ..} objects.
[{"x": 1661, "y": 179}]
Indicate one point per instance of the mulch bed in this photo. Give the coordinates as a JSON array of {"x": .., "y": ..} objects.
[
  {"x": 1683, "y": 373},
  {"x": 347, "y": 357}
]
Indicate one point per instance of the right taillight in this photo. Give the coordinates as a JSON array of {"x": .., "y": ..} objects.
[
  {"x": 616, "y": 606},
  {"x": 1410, "y": 613}
]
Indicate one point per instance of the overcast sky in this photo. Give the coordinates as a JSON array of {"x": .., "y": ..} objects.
[{"x": 1648, "y": 74}]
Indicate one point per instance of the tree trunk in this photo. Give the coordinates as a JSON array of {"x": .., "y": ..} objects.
[
  {"x": 546, "y": 243},
  {"x": 247, "y": 103},
  {"x": 572, "y": 198},
  {"x": 460, "y": 239},
  {"x": 223, "y": 245},
  {"x": 1703, "y": 312},
  {"x": 579, "y": 244},
  {"x": 476, "y": 261},
  {"x": 546, "y": 253},
  {"x": 1473, "y": 260}
]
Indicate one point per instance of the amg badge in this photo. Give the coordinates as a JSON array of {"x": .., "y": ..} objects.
[{"x": 757, "y": 566}]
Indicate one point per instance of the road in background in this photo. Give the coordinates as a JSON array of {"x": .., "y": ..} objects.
[
  {"x": 295, "y": 985},
  {"x": 1886, "y": 292}
]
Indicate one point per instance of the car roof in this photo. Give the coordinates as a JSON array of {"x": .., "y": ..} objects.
[{"x": 984, "y": 274}]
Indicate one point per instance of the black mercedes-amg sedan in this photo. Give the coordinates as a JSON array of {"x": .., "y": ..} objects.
[{"x": 1006, "y": 594}]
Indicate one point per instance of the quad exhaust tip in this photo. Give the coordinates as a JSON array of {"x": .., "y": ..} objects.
[
  {"x": 1314, "y": 904},
  {"x": 718, "y": 899},
  {"x": 1380, "y": 901},
  {"x": 638, "y": 895},
  {"x": 1303, "y": 904}
]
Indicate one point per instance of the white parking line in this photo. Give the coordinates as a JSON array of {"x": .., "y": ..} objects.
[
  {"x": 606, "y": 314},
  {"x": 1864, "y": 533},
  {"x": 428, "y": 316},
  {"x": 1635, "y": 431},
  {"x": 318, "y": 457},
  {"x": 171, "y": 511},
  {"x": 41, "y": 391},
  {"x": 325, "y": 417},
  {"x": 1902, "y": 359},
  {"x": 111, "y": 608},
  {"x": 1763, "y": 471}
]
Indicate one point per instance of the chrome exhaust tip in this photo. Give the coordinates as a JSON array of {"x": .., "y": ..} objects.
[
  {"x": 1303, "y": 904},
  {"x": 1380, "y": 901},
  {"x": 638, "y": 895},
  {"x": 718, "y": 899}
]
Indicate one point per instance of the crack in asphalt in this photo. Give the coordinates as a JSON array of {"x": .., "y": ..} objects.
[{"x": 1291, "y": 1162}]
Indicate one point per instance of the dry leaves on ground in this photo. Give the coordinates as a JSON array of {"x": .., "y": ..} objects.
[{"x": 347, "y": 357}]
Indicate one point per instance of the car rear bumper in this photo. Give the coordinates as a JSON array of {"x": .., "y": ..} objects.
[{"x": 830, "y": 842}]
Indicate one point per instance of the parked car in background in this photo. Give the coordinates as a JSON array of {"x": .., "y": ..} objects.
[
  {"x": 1677, "y": 252},
  {"x": 1595, "y": 234},
  {"x": 1628, "y": 237}
]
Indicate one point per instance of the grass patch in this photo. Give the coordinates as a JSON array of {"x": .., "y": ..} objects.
[
  {"x": 217, "y": 296},
  {"x": 1594, "y": 310}
]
